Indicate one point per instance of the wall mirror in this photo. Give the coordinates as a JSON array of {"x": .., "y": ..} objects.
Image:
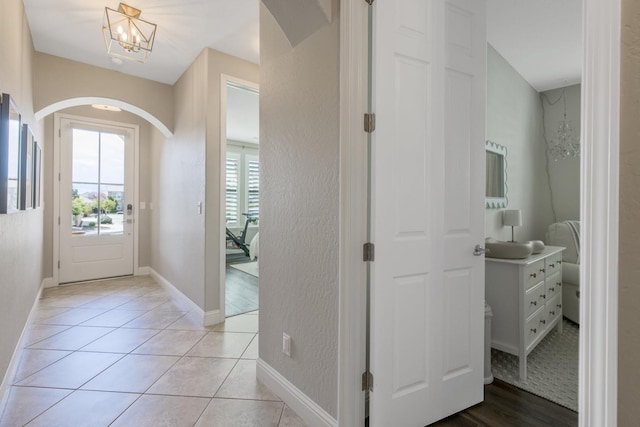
[
  {"x": 496, "y": 186},
  {"x": 10, "y": 133}
]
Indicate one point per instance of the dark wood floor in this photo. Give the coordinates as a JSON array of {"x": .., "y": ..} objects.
[
  {"x": 508, "y": 406},
  {"x": 241, "y": 292}
]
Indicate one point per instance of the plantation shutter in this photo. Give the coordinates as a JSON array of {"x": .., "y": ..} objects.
[
  {"x": 232, "y": 189},
  {"x": 253, "y": 186}
]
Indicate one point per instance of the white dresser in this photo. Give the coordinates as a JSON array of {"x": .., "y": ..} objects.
[{"x": 525, "y": 296}]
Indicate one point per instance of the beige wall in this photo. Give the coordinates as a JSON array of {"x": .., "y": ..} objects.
[
  {"x": 144, "y": 167},
  {"x": 514, "y": 119},
  {"x": 57, "y": 79},
  {"x": 20, "y": 232},
  {"x": 564, "y": 173},
  {"x": 186, "y": 172},
  {"x": 299, "y": 228},
  {"x": 629, "y": 273},
  {"x": 178, "y": 186}
]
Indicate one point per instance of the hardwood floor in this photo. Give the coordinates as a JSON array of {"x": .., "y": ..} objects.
[
  {"x": 508, "y": 406},
  {"x": 241, "y": 293}
]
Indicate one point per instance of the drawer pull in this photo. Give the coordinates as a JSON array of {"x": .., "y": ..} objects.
[
  {"x": 533, "y": 275},
  {"x": 544, "y": 322},
  {"x": 552, "y": 265},
  {"x": 559, "y": 262},
  {"x": 552, "y": 312},
  {"x": 534, "y": 330},
  {"x": 534, "y": 302},
  {"x": 543, "y": 296},
  {"x": 559, "y": 284},
  {"x": 542, "y": 270},
  {"x": 559, "y": 305},
  {"x": 552, "y": 289}
]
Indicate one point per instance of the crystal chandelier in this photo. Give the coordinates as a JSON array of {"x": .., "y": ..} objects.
[
  {"x": 126, "y": 35},
  {"x": 566, "y": 144}
]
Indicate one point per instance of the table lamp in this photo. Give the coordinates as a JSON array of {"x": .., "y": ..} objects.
[{"x": 512, "y": 218}]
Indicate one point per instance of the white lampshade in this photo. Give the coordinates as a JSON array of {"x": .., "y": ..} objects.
[{"x": 512, "y": 218}]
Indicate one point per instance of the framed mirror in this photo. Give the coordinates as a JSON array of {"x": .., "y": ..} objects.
[
  {"x": 10, "y": 134},
  {"x": 496, "y": 185},
  {"x": 26, "y": 168}
]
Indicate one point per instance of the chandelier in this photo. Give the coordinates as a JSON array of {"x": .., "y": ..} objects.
[
  {"x": 566, "y": 144},
  {"x": 126, "y": 35}
]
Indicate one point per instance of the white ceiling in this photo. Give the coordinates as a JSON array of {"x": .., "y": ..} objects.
[
  {"x": 541, "y": 39},
  {"x": 72, "y": 29},
  {"x": 242, "y": 115}
]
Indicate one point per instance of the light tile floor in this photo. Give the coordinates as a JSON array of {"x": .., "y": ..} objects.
[{"x": 120, "y": 352}]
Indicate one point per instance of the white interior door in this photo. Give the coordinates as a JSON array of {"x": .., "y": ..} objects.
[
  {"x": 428, "y": 174},
  {"x": 96, "y": 201}
]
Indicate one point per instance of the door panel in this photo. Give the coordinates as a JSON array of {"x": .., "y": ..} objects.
[
  {"x": 427, "y": 288},
  {"x": 96, "y": 190}
]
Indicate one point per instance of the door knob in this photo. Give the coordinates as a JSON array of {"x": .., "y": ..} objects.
[{"x": 479, "y": 250}]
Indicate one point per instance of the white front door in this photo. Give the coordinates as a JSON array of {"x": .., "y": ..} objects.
[
  {"x": 96, "y": 200},
  {"x": 428, "y": 174}
]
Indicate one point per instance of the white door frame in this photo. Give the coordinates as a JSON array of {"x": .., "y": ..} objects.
[
  {"x": 57, "y": 117},
  {"x": 599, "y": 212},
  {"x": 224, "y": 80}
]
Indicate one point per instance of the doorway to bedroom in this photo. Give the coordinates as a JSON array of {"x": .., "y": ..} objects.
[{"x": 241, "y": 198}]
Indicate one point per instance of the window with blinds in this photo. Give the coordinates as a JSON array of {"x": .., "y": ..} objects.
[
  {"x": 232, "y": 189},
  {"x": 242, "y": 185}
]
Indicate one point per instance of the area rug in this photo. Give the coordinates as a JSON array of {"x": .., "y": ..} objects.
[
  {"x": 248, "y": 267},
  {"x": 552, "y": 367}
]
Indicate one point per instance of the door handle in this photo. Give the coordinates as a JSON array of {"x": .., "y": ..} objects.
[
  {"x": 479, "y": 250},
  {"x": 129, "y": 209}
]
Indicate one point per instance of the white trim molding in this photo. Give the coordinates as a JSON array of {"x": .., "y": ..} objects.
[
  {"x": 143, "y": 271},
  {"x": 310, "y": 412},
  {"x": 17, "y": 351},
  {"x": 599, "y": 206},
  {"x": 352, "y": 344}
]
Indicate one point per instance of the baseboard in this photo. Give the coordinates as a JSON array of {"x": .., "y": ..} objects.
[
  {"x": 213, "y": 317},
  {"x": 17, "y": 352},
  {"x": 143, "y": 271},
  {"x": 310, "y": 412},
  {"x": 48, "y": 282},
  {"x": 195, "y": 312}
]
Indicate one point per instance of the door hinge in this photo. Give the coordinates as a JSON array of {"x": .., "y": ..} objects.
[
  {"x": 58, "y": 264},
  {"x": 368, "y": 252},
  {"x": 369, "y": 2},
  {"x": 58, "y": 220},
  {"x": 59, "y": 133},
  {"x": 367, "y": 381},
  {"x": 59, "y": 176},
  {"x": 369, "y": 122}
]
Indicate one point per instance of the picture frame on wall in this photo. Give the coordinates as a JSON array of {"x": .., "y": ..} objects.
[
  {"x": 10, "y": 135},
  {"x": 26, "y": 168},
  {"x": 37, "y": 170}
]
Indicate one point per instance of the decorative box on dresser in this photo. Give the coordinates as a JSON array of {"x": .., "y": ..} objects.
[{"x": 525, "y": 296}]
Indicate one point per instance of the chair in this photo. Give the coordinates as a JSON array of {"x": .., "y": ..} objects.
[{"x": 567, "y": 234}]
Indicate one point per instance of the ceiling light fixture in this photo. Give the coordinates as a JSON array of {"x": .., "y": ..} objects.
[
  {"x": 126, "y": 35},
  {"x": 106, "y": 107},
  {"x": 566, "y": 145}
]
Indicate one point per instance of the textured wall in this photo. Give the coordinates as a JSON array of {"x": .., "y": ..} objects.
[
  {"x": 629, "y": 253},
  {"x": 178, "y": 186},
  {"x": 514, "y": 119},
  {"x": 144, "y": 238},
  {"x": 21, "y": 232},
  {"x": 57, "y": 79},
  {"x": 565, "y": 173},
  {"x": 299, "y": 147}
]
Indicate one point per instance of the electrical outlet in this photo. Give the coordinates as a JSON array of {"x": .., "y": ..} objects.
[{"x": 286, "y": 344}]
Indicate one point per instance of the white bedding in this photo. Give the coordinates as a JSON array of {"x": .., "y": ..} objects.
[{"x": 254, "y": 247}]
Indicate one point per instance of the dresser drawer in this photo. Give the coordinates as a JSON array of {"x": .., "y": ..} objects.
[
  {"x": 554, "y": 264},
  {"x": 533, "y": 299},
  {"x": 534, "y": 274},
  {"x": 553, "y": 284},
  {"x": 535, "y": 327},
  {"x": 554, "y": 308}
]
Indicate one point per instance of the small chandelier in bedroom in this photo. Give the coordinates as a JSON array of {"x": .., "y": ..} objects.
[
  {"x": 566, "y": 144},
  {"x": 126, "y": 35}
]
